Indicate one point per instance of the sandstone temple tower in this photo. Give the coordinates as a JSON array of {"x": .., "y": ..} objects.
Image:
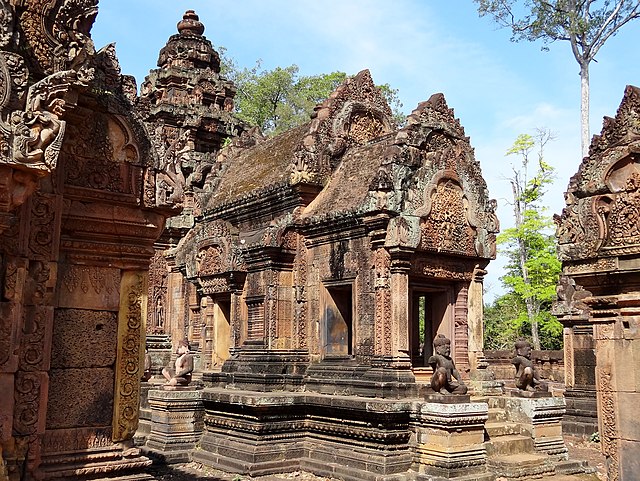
[{"x": 187, "y": 106}]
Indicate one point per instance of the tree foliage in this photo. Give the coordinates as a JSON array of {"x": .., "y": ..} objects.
[
  {"x": 280, "y": 99},
  {"x": 585, "y": 24},
  {"x": 532, "y": 264}
]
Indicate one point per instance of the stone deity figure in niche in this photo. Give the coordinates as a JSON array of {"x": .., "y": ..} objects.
[
  {"x": 527, "y": 378},
  {"x": 181, "y": 375},
  {"x": 446, "y": 379}
]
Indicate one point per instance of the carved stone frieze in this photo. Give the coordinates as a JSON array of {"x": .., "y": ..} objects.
[
  {"x": 215, "y": 285},
  {"x": 209, "y": 260},
  {"x": 458, "y": 270},
  {"x": 94, "y": 137},
  {"x": 36, "y": 339},
  {"x": 571, "y": 298},
  {"x": 609, "y": 422},
  {"x": 13, "y": 82},
  {"x": 445, "y": 226},
  {"x": 33, "y": 136},
  {"x": 28, "y": 388},
  {"x": 6, "y": 334},
  {"x": 45, "y": 218},
  {"x": 74, "y": 329},
  {"x": 65, "y": 440}
]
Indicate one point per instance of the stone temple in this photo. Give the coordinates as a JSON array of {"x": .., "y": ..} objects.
[{"x": 310, "y": 273}]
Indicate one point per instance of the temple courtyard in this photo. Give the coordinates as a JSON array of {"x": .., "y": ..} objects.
[{"x": 183, "y": 297}]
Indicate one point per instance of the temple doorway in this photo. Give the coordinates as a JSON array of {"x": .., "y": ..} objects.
[
  {"x": 429, "y": 315},
  {"x": 222, "y": 333},
  {"x": 337, "y": 320},
  {"x": 216, "y": 333}
]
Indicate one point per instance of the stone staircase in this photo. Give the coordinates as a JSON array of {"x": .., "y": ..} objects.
[{"x": 512, "y": 454}]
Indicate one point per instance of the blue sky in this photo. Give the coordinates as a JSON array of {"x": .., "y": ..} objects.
[{"x": 497, "y": 88}]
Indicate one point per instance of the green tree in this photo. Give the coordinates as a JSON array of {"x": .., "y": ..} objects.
[
  {"x": 532, "y": 264},
  {"x": 585, "y": 24},
  {"x": 280, "y": 99},
  {"x": 503, "y": 323}
]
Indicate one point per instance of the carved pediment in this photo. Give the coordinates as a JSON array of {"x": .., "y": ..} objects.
[
  {"x": 354, "y": 114},
  {"x": 210, "y": 260},
  {"x": 209, "y": 249},
  {"x": 624, "y": 128},
  {"x": 602, "y": 213}
]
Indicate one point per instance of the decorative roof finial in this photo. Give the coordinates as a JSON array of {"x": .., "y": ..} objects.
[{"x": 190, "y": 24}]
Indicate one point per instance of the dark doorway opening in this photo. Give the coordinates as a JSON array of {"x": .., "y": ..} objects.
[
  {"x": 338, "y": 321},
  {"x": 428, "y": 315}
]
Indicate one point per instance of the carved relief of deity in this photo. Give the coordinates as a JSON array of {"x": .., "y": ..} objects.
[
  {"x": 446, "y": 227},
  {"x": 622, "y": 216},
  {"x": 209, "y": 260}
]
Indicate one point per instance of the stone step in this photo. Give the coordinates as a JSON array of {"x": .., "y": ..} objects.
[
  {"x": 574, "y": 477},
  {"x": 520, "y": 466},
  {"x": 509, "y": 444},
  {"x": 497, "y": 415},
  {"x": 495, "y": 429},
  {"x": 573, "y": 466}
]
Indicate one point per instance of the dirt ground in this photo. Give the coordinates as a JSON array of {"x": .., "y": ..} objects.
[
  {"x": 578, "y": 449},
  {"x": 195, "y": 471},
  {"x": 590, "y": 452}
]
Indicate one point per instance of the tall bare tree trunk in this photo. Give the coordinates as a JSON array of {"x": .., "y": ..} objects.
[
  {"x": 584, "y": 108},
  {"x": 530, "y": 302}
]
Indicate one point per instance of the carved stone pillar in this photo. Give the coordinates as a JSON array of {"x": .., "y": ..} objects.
[
  {"x": 475, "y": 322},
  {"x": 238, "y": 312},
  {"x": 400, "y": 266},
  {"x": 382, "y": 286},
  {"x": 130, "y": 358},
  {"x": 207, "y": 334},
  {"x": 617, "y": 342}
]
